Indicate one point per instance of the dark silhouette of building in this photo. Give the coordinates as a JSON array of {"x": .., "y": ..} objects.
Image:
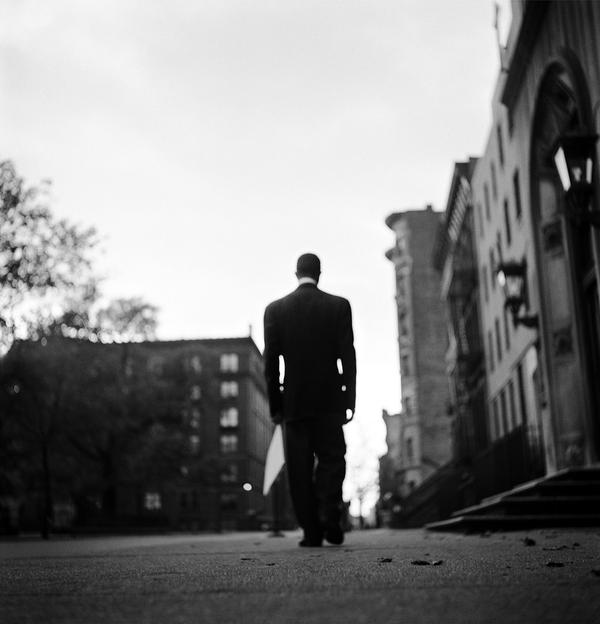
[
  {"x": 158, "y": 433},
  {"x": 455, "y": 258}
]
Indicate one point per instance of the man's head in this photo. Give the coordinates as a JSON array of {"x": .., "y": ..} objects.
[{"x": 308, "y": 265}]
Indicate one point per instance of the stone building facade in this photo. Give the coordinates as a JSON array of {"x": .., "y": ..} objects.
[
  {"x": 542, "y": 377},
  {"x": 423, "y": 426}
]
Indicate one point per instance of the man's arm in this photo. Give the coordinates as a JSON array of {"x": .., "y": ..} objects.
[
  {"x": 347, "y": 353},
  {"x": 271, "y": 364}
]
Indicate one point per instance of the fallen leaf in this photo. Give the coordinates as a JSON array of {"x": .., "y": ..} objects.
[
  {"x": 384, "y": 559},
  {"x": 562, "y": 547}
]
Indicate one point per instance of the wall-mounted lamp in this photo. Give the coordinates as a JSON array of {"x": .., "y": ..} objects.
[
  {"x": 574, "y": 157},
  {"x": 512, "y": 277}
]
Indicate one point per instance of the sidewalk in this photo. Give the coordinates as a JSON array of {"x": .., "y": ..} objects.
[{"x": 549, "y": 576}]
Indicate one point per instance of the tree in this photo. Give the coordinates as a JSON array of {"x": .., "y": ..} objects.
[
  {"x": 48, "y": 291},
  {"x": 34, "y": 399},
  {"x": 87, "y": 418},
  {"x": 121, "y": 320},
  {"x": 127, "y": 320},
  {"x": 45, "y": 263}
]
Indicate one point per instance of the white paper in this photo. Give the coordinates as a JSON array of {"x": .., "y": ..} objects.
[{"x": 275, "y": 459}]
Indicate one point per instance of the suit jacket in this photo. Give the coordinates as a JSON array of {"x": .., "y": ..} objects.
[{"x": 311, "y": 329}]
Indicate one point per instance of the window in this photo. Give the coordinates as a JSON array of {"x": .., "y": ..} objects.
[
  {"x": 522, "y": 400},
  {"x": 497, "y": 419},
  {"x": 128, "y": 367},
  {"x": 506, "y": 330},
  {"x": 229, "y": 363},
  {"x": 517, "y": 192},
  {"x": 155, "y": 364},
  {"x": 507, "y": 223},
  {"x": 485, "y": 283},
  {"x": 409, "y": 451},
  {"x": 229, "y": 474},
  {"x": 491, "y": 349},
  {"x": 229, "y": 389},
  {"x": 229, "y": 417},
  {"x": 498, "y": 338},
  {"x": 492, "y": 268},
  {"x": 512, "y": 405},
  {"x": 480, "y": 217},
  {"x": 500, "y": 144},
  {"x": 400, "y": 286},
  {"x": 196, "y": 363},
  {"x": 195, "y": 393},
  {"x": 194, "y": 444},
  {"x": 228, "y": 502},
  {"x": 152, "y": 501},
  {"x": 404, "y": 365},
  {"x": 229, "y": 443},
  {"x": 195, "y": 418},
  {"x": 402, "y": 324},
  {"x": 494, "y": 181},
  {"x": 505, "y": 423},
  {"x": 486, "y": 198}
]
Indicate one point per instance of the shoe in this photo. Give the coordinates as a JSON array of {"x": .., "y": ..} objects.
[
  {"x": 311, "y": 540},
  {"x": 334, "y": 535},
  {"x": 310, "y": 543}
]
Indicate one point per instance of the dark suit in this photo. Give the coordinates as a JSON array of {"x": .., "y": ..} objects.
[{"x": 312, "y": 330}]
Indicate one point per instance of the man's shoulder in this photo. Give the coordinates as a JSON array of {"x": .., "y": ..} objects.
[
  {"x": 297, "y": 295},
  {"x": 274, "y": 305},
  {"x": 335, "y": 299}
]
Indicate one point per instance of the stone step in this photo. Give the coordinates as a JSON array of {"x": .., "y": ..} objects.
[
  {"x": 568, "y": 488},
  {"x": 482, "y": 523},
  {"x": 547, "y": 505}
]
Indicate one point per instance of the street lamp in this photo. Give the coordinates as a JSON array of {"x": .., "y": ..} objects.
[
  {"x": 512, "y": 277},
  {"x": 574, "y": 158}
]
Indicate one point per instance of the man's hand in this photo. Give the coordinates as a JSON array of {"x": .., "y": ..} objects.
[
  {"x": 349, "y": 416},
  {"x": 277, "y": 418}
]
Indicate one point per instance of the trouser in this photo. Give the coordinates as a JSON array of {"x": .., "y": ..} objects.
[{"x": 316, "y": 466}]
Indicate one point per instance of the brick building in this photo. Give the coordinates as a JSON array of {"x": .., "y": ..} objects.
[
  {"x": 423, "y": 426},
  {"x": 162, "y": 432}
]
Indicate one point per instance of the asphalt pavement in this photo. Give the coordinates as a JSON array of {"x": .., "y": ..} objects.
[{"x": 396, "y": 576}]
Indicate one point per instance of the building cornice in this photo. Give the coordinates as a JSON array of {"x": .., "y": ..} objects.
[{"x": 533, "y": 18}]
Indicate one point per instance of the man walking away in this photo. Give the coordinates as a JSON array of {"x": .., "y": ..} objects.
[{"x": 312, "y": 330}]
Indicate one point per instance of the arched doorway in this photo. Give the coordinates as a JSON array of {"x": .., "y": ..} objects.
[{"x": 567, "y": 262}]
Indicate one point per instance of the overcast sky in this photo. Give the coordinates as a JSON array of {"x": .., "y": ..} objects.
[{"x": 213, "y": 141}]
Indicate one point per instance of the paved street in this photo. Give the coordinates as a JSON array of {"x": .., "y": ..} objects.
[{"x": 252, "y": 578}]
